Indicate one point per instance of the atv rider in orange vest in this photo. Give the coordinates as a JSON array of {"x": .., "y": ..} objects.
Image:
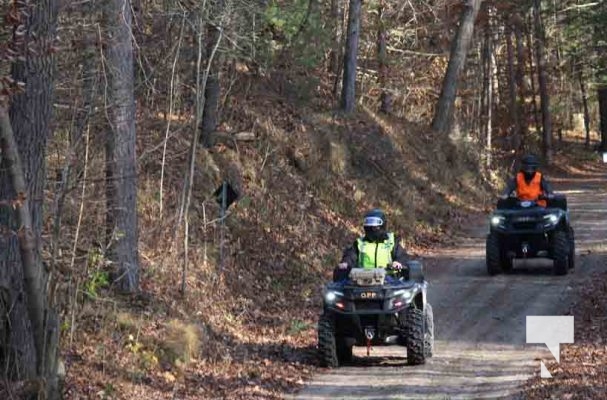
[
  {"x": 378, "y": 248},
  {"x": 529, "y": 183}
]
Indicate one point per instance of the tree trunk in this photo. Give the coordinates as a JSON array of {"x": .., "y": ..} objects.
[
  {"x": 201, "y": 82},
  {"x": 488, "y": 90},
  {"x": 90, "y": 76},
  {"x": 382, "y": 60},
  {"x": 212, "y": 91},
  {"x": 348, "y": 92},
  {"x": 479, "y": 82},
  {"x": 520, "y": 78},
  {"x": 23, "y": 178},
  {"x": 543, "y": 83},
  {"x": 602, "y": 94},
  {"x": 443, "y": 115},
  {"x": 342, "y": 15},
  {"x": 21, "y": 271},
  {"x": 515, "y": 114},
  {"x": 337, "y": 17},
  {"x": 120, "y": 147},
  {"x": 585, "y": 105},
  {"x": 535, "y": 109}
]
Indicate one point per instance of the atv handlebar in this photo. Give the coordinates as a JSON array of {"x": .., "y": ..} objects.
[
  {"x": 411, "y": 270},
  {"x": 548, "y": 196}
]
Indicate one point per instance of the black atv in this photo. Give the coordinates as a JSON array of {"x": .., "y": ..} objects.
[
  {"x": 376, "y": 307},
  {"x": 525, "y": 229}
]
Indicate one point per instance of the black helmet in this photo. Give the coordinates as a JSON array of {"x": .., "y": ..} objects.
[
  {"x": 375, "y": 224},
  {"x": 529, "y": 165}
]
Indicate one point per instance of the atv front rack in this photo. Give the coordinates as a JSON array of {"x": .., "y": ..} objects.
[{"x": 368, "y": 277}]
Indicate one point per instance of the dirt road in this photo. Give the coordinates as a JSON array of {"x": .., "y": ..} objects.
[{"x": 479, "y": 320}]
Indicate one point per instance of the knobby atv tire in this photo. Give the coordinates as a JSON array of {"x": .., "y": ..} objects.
[
  {"x": 429, "y": 333},
  {"x": 561, "y": 250},
  {"x": 571, "y": 249},
  {"x": 416, "y": 354},
  {"x": 326, "y": 342},
  {"x": 493, "y": 254}
]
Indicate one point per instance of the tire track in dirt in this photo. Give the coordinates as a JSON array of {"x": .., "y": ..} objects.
[{"x": 479, "y": 320}]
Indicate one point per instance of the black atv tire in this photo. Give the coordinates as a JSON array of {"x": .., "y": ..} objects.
[
  {"x": 493, "y": 254},
  {"x": 429, "y": 333},
  {"x": 416, "y": 354},
  {"x": 344, "y": 352},
  {"x": 560, "y": 252},
  {"x": 327, "y": 347},
  {"x": 571, "y": 249}
]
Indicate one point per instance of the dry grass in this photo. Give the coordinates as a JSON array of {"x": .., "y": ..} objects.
[{"x": 181, "y": 341}]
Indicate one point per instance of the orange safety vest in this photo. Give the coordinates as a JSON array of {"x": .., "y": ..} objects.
[{"x": 531, "y": 190}]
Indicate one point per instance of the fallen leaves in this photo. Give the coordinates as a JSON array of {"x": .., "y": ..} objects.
[{"x": 582, "y": 372}]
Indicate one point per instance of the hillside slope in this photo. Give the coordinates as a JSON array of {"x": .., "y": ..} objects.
[{"x": 247, "y": 329}]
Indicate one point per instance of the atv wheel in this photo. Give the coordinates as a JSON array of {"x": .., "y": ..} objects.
[
  {"x": 561, "y": 250},
  {"x": 571, "y": 249},
  {"x": 326, "y": 342},
  {"x": 429, "y": 334},
  {"x": 415, "y": 336},
  {"x": 493, "y": 254}
]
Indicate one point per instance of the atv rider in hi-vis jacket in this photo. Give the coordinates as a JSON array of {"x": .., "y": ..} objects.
[
  {"x": 378, "y": 248},
  {"x": 529, "y": 183}
]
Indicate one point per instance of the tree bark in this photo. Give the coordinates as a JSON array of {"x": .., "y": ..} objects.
[
  {"x": 120, "y": 146},
  {"x": 382, "y": 60},
  {"x": 443, "y": 115},
  {"x": 543, "y": 83},
  {"x": 348, "y": 92},
  {"x": 23, "y": 178}
]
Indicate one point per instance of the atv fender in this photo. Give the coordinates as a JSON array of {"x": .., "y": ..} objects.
[{"x": 416, "y": 271}]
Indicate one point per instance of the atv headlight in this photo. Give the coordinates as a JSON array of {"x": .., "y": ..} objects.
[
  {"x": 402, "y": 297},
  {"x": 497, "y": 220},
  {"x": 405, "y": 294},
  {"x": 331, "y": 296},
  {"x": 552, "y": 218}
]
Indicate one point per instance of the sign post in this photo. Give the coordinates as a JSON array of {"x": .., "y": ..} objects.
[
  {"x": 224, "y": 201},
  {"x": 225, "y": 196}
]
